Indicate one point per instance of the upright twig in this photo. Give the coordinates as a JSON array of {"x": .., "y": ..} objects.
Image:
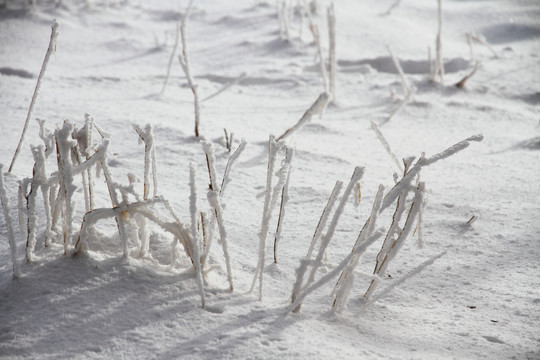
[
  {"x": 286, "y": 169},
  {"x": 394, "y": 5},
  {"x": 461, "y": 84},
  {"x": 194, "y": 233},
  {"x": 332, "y": 51},
  {"x": 50, "y": 50},
  {"x": 386, "y": 146},
  {"x": 147, "y": 136},
  {"x": 273, "y": 148},
  {"x": 356, "y": 176},
  {"x": 404, "y": 83},
  {"x": 227, "y": 86},
  {"x": 214, "y": 199},
  {"x": 186, "y": 66},
  {"x": 346, "y": 280},
  {"x": 64, "y": 143},
  {"x": 169, "y": 65},
  {"x": 324, "y": 217},
  {"x": 224, "y": 183},
  {"x": 438, "y": 43}
]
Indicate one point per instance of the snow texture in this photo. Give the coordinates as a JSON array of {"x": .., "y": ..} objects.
[{"x": 114, "y": 272}]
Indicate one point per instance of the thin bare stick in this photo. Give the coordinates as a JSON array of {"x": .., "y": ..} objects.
[
  {"x": 411, "y": 174},
  {"x": 284, "y": 199},
  {"x": 404, "y": 82},
  {"x": 324, "y": 217},
  {"x": 227, "y": 86},
  {"x": 482, "y": 40},
  {"x": 400, "y": 107},
  {"x": 273, "y": 148},
  {"x": 295, "y": 305},
  {"x": 386, "y": 146},
  {"x": 461, "y": 84},
  {"x": 317, "y": 107},
  {"x": 175, "y": 48},
  {"x": 391, "y": 8},
  {"x": 431, "y": 66},
  {"x": 346, "y": 279},
  {"x": 194, "y": 233},
  {"x": 214, "y": 199},
  {"x": 438, "y": 43},
  {"x": 50, "y": 50},
  {"x": 186, "y": 66},
  {"x": 471, "y": 47},
  {"x": 332, "y": 51},
  {"x": 356, "y": 176}
]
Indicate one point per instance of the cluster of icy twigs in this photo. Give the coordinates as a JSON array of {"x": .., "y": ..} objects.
[
  {"x": 77, "y": 155},
  {"x": 407, "y": 217}
]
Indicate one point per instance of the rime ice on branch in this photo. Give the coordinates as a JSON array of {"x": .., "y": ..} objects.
[{"x": 50, "y": 50}]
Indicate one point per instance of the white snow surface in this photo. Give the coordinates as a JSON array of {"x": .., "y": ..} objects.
[{"x": 479, "y": 301}]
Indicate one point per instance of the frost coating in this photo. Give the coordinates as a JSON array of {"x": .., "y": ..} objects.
[
  {"x": 273, "y": 148},
  {"x": 50, "y": 50},
  {"x": 194, "y": 233}
]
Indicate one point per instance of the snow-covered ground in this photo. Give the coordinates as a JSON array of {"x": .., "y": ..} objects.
[{"x": 481, "y": 300}]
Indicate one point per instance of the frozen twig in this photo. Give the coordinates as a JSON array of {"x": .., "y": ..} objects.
[
  {"x": 316, "y": 108},
  {"x": 394, "y": 5},
  {"x": 411, "y": 174},
  {"x": 213, "y": 185},
  {"x": 332, "y": 51},
  {"x": 285, "y": 172},
  {"x": 386, "y": 146},
  {"x": 169, "y": 65},
  {"x": 50, "y": 50},
  {"x": 214, "y": 199},
  {"x": 186, "y": 66},
  {"x": 194, "y": 233},
  {"x": 404, "y": 83},
  {"x": 356, "y": 176},
  {"x": 438, "y": 44},
  {"x": 324, "y": 217},
  {"x": 461, "y": 84},
  {"x": 64, "y": 144},
  {"x": 273, "y": 148},
  {"x": 227, "y": 86},
  {"x": 295, "y": 305},
  {"x": 482, "y": 40},
  {"x": 346, "y": 280},
  {"x": 401, "y": 105},
  {"x": 147, "y": 136},
  {"x": 230, "y": 162}
]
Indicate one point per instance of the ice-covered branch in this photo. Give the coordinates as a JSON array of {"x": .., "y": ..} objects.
[
  {"x": 273, "y": 148},
  {"x": 286, "y": 173},
  {"x": 411, "y": 174},
  {"x": 332, "y": 52},
  {"x": 194, "y": 232},
  {"x": 356, "y": 176},
  {"x": 50, "y": 50},
  {"x": 316, "y": 108},
  {"x": 386, "y": 146},
  {"x": 186, "y": 66}
]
